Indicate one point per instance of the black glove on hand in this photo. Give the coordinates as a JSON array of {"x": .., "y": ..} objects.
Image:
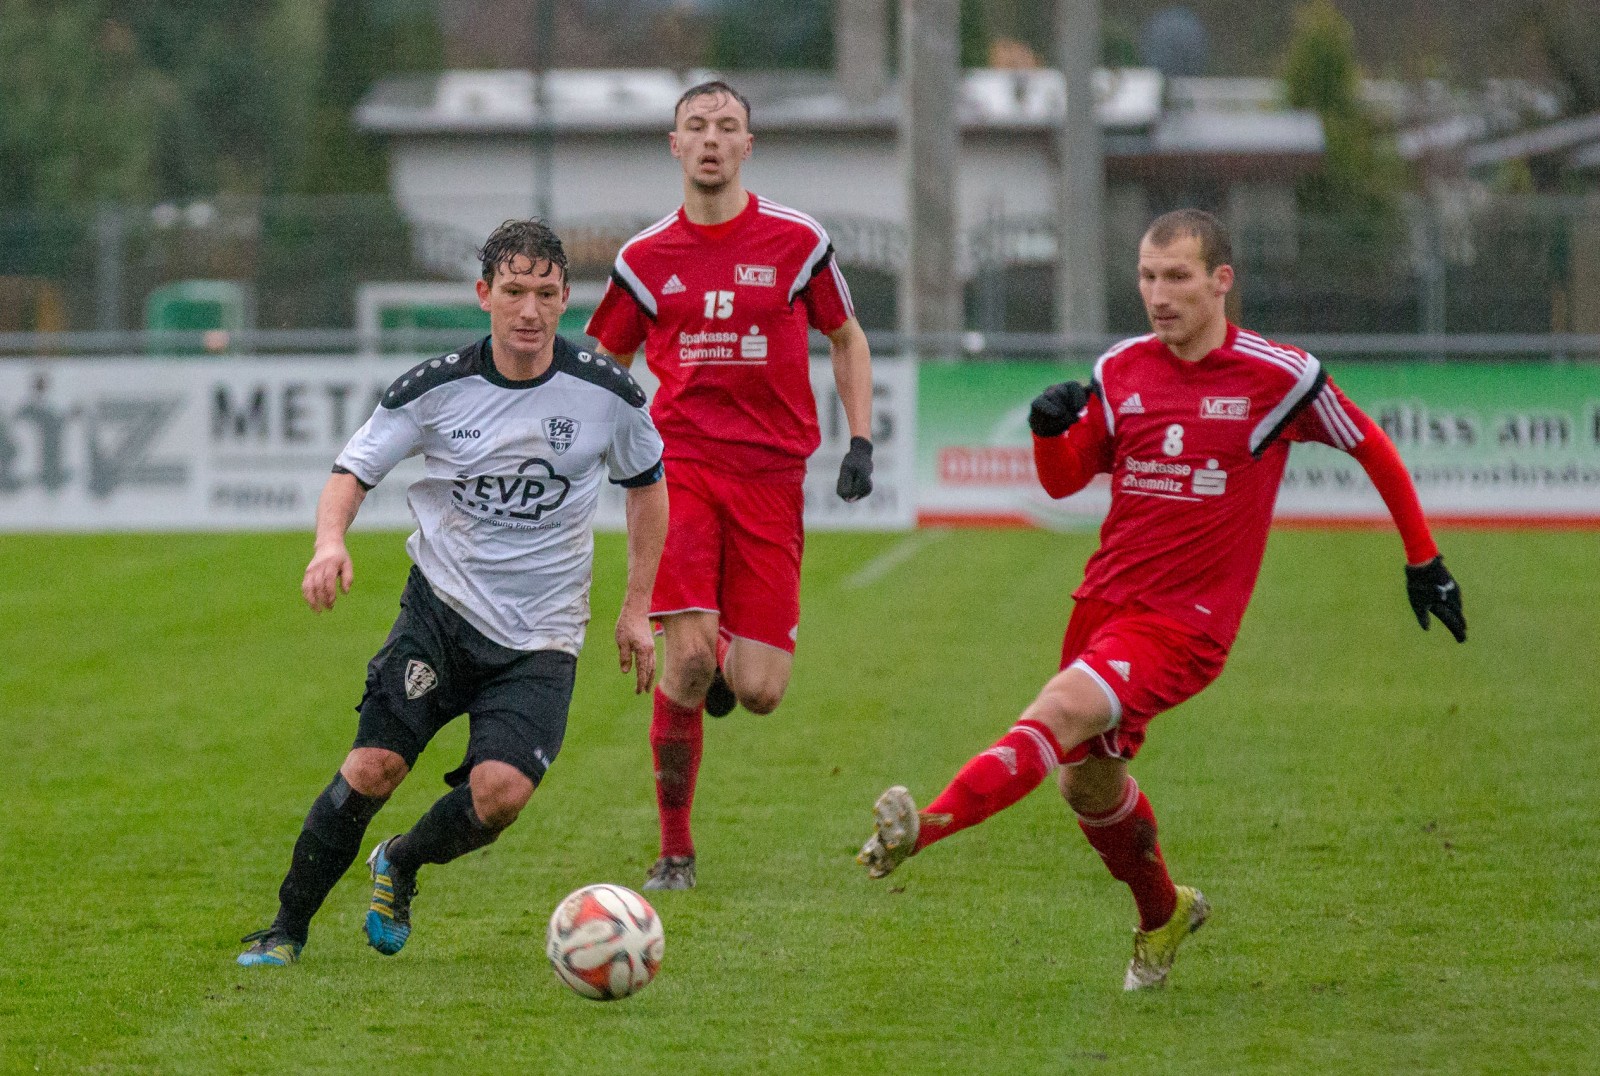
[
  {"x": 855, "y": 472},
  {"x": 1432, "y": 589},
  {"x": 1056, "y": 408}
]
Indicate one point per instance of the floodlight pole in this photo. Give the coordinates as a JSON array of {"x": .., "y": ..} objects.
[
  {"x": 930, "y": 141},
  {"x": 861, "y": 49},
  {"x": 543, "y": 130},
  {"x": 1080, "y": 162}
]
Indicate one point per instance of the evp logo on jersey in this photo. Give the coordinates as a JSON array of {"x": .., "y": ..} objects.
[
  {"x": 755, "y": 276},
  {"x": 1236, "y": 407},
  {"x": 536, "y": 489}
]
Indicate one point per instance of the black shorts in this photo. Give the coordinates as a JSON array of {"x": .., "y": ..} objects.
[{"x": 435, "y": 666}]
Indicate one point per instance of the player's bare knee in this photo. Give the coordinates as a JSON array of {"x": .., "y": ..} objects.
[
  {"x": 1073, "y": 707},
  {"x": 499, "y": 792},
  {"x": 761, "y": 698},
  {"x": 1093, "y": 786},
  {"x": 374, "y": 771},
  {"x": 1085, "y": 797},
  {"x": 691, "y": 667},
  {"x": 1070, "y": 725}
]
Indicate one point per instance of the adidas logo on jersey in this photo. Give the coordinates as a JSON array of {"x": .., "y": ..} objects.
[
  {"x": 1131, "y": 406},
  {"x": 1123, "y": 668},
  {"x": 673, "y": 286}
]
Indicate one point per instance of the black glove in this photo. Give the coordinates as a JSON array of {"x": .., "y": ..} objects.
[
  {"x": 855, "y": 471},
  {"x": 1432, "y": 589},
  {"x": 1056, "y": 408}
]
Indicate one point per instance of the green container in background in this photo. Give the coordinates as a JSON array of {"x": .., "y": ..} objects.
[
  {"x": 466, "y": 316},
  {"x": 217, "y": 308}
]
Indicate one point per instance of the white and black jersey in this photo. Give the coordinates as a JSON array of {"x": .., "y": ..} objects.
[{"x": 513, "y": 475}]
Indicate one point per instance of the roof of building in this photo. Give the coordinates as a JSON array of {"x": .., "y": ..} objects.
[
  {"x": 1139, "y": 110},
  {"x": 1576, "y": 141}
]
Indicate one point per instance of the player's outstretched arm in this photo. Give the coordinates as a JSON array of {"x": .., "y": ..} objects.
[
  {"x": 330, "y": 570},
  {"x": 852, "y": 375},
  {"x": 647, "y": 534},
  {"x": 1430, "y": 588}
]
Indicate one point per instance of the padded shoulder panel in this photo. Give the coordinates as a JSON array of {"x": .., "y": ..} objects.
[
  {"x": 433, "y": 373},
  {"x": 598, "y": 370}
]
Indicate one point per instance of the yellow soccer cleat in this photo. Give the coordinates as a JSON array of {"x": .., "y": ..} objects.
[{"x": 1154, "y": 950}]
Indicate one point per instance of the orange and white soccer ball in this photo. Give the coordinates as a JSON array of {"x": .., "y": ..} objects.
[{"x": 605, "y": 942}]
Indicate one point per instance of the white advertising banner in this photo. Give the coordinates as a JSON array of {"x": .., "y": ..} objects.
[{"x": 247, "y": 444}]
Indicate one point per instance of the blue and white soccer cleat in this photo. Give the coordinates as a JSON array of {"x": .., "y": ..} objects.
[
  {"x": 270, "y": 948},
  {"x": 389, "y": 915}
]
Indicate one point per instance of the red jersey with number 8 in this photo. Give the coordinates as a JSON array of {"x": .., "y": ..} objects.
[
  {"x": 723, "y": 313},
  {"x": 1196, "y": 451}
]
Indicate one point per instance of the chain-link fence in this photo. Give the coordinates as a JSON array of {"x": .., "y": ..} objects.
[{"x": 301, "y": 274}]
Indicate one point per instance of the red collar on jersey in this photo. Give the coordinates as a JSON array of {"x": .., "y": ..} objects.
[{"x": 716, "y": 232}]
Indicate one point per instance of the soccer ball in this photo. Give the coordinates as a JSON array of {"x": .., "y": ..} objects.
[{"x": 605, "y": 942}]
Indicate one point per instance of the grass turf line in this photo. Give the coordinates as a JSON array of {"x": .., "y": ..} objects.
[{"x": 1397, "y": 832}]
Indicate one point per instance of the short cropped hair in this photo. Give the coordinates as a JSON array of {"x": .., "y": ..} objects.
[
  {"x": 709, "y": 89},
  {"x": 1216, "y": 248},
  {"x": 531, "y": 239}
]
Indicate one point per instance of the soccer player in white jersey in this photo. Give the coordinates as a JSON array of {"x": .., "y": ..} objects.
[{"x": 518, "y": 432}]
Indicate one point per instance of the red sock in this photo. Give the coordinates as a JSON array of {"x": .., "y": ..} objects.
[
  {"x": 675, "y": 742},
  {"x": 992, "y": 781},
  {"x": 1125, "y": 837}
]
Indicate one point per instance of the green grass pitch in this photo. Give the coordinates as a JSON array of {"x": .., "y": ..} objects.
[{"x": 1398, "y": 833}]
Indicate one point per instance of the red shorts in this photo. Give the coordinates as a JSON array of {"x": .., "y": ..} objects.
[
  {"x": 733, "y": 548},
  {"x": 1145, "y": 663}
]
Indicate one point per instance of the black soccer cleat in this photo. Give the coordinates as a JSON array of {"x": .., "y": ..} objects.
[{"x": 720, "y": 699}]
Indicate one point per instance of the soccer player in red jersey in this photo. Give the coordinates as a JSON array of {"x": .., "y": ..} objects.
[
  {"x": 722, "y": 294},
  {"x": 1193, "y": 423}
]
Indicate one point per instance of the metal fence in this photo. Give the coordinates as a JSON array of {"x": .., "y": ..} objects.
[{"x": 288, "y": 275}]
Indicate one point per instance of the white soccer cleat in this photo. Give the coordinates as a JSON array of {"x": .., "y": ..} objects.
[{"x": 896, "y": 826}]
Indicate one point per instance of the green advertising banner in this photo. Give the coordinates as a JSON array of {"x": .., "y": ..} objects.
[{"x": 1496, "y": 442}]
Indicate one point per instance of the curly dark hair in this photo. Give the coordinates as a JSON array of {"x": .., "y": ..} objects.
[{"x": 531, "y": 239}]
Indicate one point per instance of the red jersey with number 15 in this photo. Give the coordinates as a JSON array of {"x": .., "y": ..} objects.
[
  {"x": 1196, "y": 451},
  {"x": 722, "y": 312}
]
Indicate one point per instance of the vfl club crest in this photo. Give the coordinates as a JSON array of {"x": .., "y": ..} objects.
[
  {"x": 420, "y": 679},
  {"x": 560, "y": 432}
]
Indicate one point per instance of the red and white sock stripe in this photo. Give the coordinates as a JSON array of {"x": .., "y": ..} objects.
[
  {"x": 1042, "y": 739},
  {"x": 1130, "y": 800}
]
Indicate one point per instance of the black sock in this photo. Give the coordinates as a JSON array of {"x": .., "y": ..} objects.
[
  {"x": 329, "y": 842},
  {"x": 450, "y": 829}
]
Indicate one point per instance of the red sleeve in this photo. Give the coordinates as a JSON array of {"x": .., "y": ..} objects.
[
  {"x": 1328, "y": 420},
  {"x": 1065, "y": 464},
  {"x": 1332, "y": 419},
  {"x": 827, "y": 298},
  {"x": 618, "y": 322}
]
